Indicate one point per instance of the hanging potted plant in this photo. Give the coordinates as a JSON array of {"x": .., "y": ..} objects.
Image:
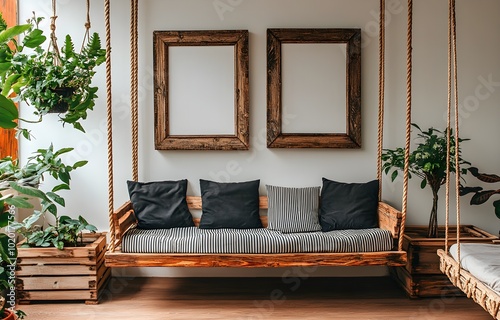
[{"x": 50, "y": 80}]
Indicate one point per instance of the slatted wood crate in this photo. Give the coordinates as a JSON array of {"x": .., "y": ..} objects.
[
  {"x": 74, "y": 273},
  {"x": 421, "y": 277}
]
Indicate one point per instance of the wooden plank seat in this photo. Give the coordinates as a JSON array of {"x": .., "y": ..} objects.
[{"x": 124, "y": 219}]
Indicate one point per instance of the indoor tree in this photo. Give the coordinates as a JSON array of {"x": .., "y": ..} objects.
[{"x": 428, "y": 162}]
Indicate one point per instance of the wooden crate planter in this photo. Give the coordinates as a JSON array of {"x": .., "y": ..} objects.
[
  {"x": 74, "y": 273},
  {"x": 421, "y": 277}
]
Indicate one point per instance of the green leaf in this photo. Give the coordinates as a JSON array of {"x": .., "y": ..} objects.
[
  {"x": 34, "y": 39},
  {"x": 7, "y": 255},
  {"x": 8, "y": 113},
  {"x": 64, "y": 177},
  {"x": 78, "y": 126},
  {"x": 496, "y": 204},
  {"x": 50, "y": 207},
  {"x": 482, "y": 196},
  {"x": 8, "y": 83},
  {"x": 62, "y": 151},
  {"x": 80, "y": 164},
  {"x": 59, "y": 187},
  {"x": 68, "y": 48},
  {"x": 394, "y": 175},
  {"x": 12, "y": 32},
  {"x": 423, "y": 183},
  {"x": 19, "y": 202},
  {"x": 57, "y": 199},
  {"x": 5, "y": 218},
  {"x": 30, "y": 191}
]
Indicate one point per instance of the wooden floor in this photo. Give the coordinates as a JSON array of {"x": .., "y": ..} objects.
[{"x": 290, "y": 297}]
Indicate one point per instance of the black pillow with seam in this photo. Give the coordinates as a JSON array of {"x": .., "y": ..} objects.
[
  {"x": 348, "y": 205},
  {"x": 160, "y": 204},
  {"x": 232, "y": 205}
]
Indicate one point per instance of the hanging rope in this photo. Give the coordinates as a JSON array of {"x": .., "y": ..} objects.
[
  {"x": 86, "y": 36},
  {"x": 408, "y": 122},
  {"x": 448, "y": 135},
  {"x": 457, "y": 143},
  {"x": 109, "y": 104},
  {"x": 381, "y": 93},
  {"x": 53, "y": 38},
  {"x": 134, "y": 80}
]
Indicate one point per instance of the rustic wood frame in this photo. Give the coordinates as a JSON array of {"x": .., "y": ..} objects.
[
  {"x": 162, "y": 41},
  {"x": 275, "y": 137}
]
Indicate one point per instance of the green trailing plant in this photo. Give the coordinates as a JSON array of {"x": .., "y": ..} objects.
[
  {"x": 428, "y": 162},
  {"x": 480, "y": 195},
  {"x": 48, "y": 79},
  {"x": 26, "y": 179},
  {"x": 66, "y": 232}
]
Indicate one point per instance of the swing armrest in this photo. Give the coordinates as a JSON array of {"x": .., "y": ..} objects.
[
  {"x": 123, "y": 219},
  {"x": 389, "y": 218}
]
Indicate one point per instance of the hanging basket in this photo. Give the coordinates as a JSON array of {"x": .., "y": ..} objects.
[{"x": 64, "y": 93}]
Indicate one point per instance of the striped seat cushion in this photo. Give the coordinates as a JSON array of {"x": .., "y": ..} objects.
[{"x": 262, "y": 240}]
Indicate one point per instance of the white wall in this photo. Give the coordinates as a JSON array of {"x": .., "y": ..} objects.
[{"x": 479, "y": 73}]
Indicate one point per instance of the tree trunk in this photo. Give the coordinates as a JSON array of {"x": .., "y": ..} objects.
[{"x": 433, "y": 220}]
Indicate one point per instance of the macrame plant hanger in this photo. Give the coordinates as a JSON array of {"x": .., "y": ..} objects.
[{"x": 53, "y": 38}]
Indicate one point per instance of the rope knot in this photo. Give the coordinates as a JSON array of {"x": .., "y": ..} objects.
[{"x": 87, "y": 25}]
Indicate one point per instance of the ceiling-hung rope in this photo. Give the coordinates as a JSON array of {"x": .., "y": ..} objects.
[
  {"x": 453, "y": 94},
  {"x": 53, "y": 37},
  {"x": 448, "y": 133},
  {"x": 408, "y": 120},
  {"x": 109, "y": 103},
  {"x": 134, "y": 87},
  {"x": 457, "y": 130},
  {"x": 381, "y": 93}
]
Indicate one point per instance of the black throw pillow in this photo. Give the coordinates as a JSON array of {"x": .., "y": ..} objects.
[
  {"x": 348, "y": 205},
  {"x": 230, "y": 205},
  {"x": 160, "y": 204}
]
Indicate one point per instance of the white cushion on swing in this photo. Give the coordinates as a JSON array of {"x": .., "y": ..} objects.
[{"x": 481, "y": 260}]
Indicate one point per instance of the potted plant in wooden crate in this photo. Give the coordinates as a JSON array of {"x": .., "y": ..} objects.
[
  {"x": 421, "y": 276},
  {"x": 47, "y": 79},
  {"x": 60, "y": 262}
]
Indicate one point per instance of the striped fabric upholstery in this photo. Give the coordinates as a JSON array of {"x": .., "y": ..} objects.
[
  {"x": 293, "y": 209},
  {"x": 262, "y": 240}
]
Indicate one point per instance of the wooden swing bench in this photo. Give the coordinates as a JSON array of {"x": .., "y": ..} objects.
[{"x": 124, "y": 220}]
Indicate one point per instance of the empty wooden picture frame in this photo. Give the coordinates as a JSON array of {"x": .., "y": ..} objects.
[
  {"x": 276, "y": 137},
  {"x": 233, "y": 43}
]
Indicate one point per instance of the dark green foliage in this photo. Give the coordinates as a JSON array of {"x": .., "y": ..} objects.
[
  {"x": 25, "y": 180},
  {"x": 49, "y": 80},
  {"x": 481, "y": 196},
  {"x": 66, "y": 232},
  {"x": 428, "y": 162}
]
